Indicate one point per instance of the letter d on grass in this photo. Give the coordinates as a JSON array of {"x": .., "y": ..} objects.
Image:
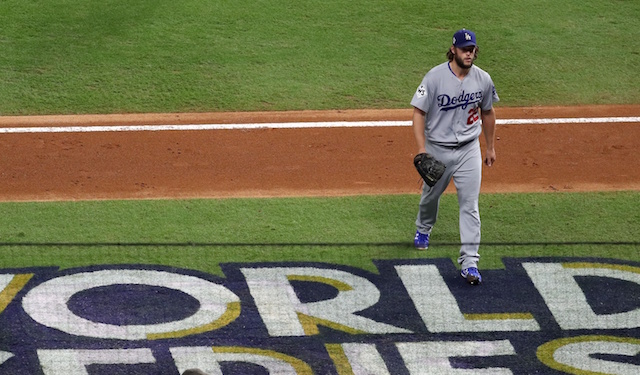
[{"x": 557, "y": 284}]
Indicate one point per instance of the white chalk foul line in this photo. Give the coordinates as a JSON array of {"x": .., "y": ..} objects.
[
  {"x": 586, "y": 120},
  {"x": 293, "y": 125}
]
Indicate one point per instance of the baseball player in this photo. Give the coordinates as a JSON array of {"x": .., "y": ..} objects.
[{"x": 452, "y": 106}]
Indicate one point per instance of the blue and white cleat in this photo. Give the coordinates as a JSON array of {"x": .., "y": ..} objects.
[
  {"x": 472, "y": 275},
  {"x": 194, "y": 371},
  {"x": 421, "y": 241}
]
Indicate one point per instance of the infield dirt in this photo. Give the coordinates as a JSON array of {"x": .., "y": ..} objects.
[{"x": 302, "y": 162}]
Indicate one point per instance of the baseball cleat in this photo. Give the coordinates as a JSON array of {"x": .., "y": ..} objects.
[
  {"x": 421, "y": 241},
  {"x": 472, "y": 275},
  {"x": 194, "y": 371}
]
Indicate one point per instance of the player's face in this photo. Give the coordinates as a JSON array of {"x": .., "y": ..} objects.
[{"x": 464, "y": 56}]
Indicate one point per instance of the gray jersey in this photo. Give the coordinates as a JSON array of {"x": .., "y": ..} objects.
[{"x": 452, "y": 106}]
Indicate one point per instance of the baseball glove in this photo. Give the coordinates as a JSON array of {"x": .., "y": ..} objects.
[{"x": 430, "y": 169}]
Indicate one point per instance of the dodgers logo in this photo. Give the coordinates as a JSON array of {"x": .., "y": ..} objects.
[{"x": 446, "y": 102}]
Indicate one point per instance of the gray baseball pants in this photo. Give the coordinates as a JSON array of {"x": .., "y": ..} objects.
[{"x": 464, "y": 166}]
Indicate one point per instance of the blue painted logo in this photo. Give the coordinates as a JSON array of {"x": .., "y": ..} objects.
[{"x": 543, "y": 316}]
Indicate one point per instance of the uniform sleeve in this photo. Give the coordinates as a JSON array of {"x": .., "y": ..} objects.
[
  {"x": 421, "y": 97},
  {"x": 490, "y": 95}
]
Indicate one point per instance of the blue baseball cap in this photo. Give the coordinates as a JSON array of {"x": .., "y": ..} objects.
[{"x": 464, "y": 38}]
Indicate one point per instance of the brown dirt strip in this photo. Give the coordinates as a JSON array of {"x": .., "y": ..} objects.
[{"x": 301, "y": 162}]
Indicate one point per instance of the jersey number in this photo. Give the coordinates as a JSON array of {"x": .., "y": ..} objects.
[{"x": 473, "y": 116}]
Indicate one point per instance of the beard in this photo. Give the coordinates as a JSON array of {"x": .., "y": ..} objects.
[{"x": 461, "y": 63}]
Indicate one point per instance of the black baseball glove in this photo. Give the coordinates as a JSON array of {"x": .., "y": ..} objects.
[{"x": 430, "y": 169}]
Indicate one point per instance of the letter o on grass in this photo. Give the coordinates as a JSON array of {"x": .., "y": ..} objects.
[{"x": 47, "y": 304}]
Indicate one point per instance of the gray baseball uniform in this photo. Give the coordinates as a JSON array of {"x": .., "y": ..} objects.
[{"x": 452, "y": 128}]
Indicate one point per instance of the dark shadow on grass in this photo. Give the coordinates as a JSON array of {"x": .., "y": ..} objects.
[{"x": 307, "y": 244}]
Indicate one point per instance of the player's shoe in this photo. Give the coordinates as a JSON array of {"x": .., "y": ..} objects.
[
  {"x": 472, "y": 275},
  {"x": 421, "y": 241},
  {"x": 194, "y": 371}
]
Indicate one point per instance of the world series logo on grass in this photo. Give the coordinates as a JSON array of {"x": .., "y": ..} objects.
[{"x": 544, "y": 316}]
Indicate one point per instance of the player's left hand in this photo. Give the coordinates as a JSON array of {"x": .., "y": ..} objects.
[
  {"x": 429, "y": 168},
  {"x": 490, "y": 157}
]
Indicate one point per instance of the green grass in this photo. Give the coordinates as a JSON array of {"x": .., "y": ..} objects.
[
  {"x": 201, "y": 234},
  {"x": 64, "y": 56}
]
